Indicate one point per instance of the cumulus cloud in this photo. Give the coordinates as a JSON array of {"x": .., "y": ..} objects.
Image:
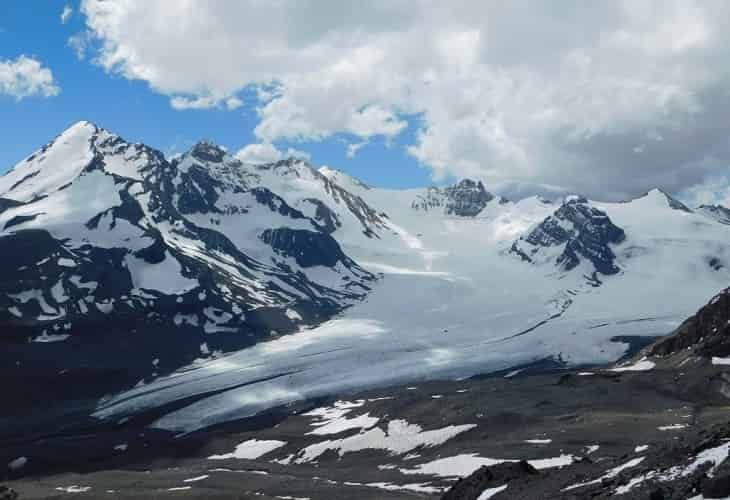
[
  {"x": 267, "y": 153},
  {"x": 606, "y": 98},
  {"x": 25, "y": 77},
  {"x": 66, "y": 14}
]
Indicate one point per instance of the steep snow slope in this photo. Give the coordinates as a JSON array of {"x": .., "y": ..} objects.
[{"x": 454, "y": 301}]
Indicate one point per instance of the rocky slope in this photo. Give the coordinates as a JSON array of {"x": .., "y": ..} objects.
[{"x": 648, "y": 427}]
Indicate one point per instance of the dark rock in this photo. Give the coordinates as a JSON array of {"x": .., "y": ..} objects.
[
  {"x": 584, "y": 230},
  {"x": 472, "y": 486},
  {"x": 716, "y": 487},
  {"x": 465, "y": 199},
  {"x": 308, "y": 248},
  {"x": 7, "y": 493},
  {"x": 708, "y": 331}
]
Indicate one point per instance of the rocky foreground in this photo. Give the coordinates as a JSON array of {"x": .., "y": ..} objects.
[{"x": 653, "y": 427}]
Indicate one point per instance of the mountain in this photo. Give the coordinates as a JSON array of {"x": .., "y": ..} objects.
[
  {"x": 204, "y": 289},
  {"x": 121, "y": 263},
  {"x": 578, "y": 230}
]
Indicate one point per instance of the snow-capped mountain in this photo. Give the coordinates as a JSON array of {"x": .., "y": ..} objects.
[
  {"x": 109, "y": 247},
  {"x": 121, "y": 262}
]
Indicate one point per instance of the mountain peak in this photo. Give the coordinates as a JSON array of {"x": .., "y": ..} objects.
[
  {"x": 663, "y": 196},
  {"x": 208, "y": 151}
]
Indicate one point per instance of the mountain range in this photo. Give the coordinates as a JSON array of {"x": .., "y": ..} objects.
[{"x": 212, "y": 289}]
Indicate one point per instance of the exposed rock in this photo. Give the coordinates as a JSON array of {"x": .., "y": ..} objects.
[
  {"x": 472, "y": 486},
  {"x": 584, "y": 230},
  {"x": 708, "y": 331},
  {"x": 465, "y": 199},
  {"x": 716, "y": 487},
  {"x": 7, "y": 493}
]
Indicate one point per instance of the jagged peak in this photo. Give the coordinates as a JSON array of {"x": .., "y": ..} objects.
[{"x": 208, "y": 151}]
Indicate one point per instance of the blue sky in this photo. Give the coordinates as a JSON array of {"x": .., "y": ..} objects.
[{"x": 137, "y": 113}]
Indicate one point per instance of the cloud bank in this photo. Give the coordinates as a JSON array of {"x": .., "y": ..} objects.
[{"x": 608, "y": 98}]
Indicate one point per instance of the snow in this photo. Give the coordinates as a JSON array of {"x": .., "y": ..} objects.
[
  {"x": 640, "y": 366},
  {"x": 69, "y": 154},
  {"x": 672, "y": 427},
  {"x": 490, "y": 492},
  {"x": 179, "y": 488},
  {"x": 399, "y": 437},
  {"x": 332, "y": 420},
  {"x": 714, "y": 456},
  {"x": 417, "y": 487},
  {"x": 251, "y": 449},
  {"x": 73, "y": 489},
  {"x": 611, "y": 473},
  {"x": 641, "y": 448},
  {"x": 292, "y": 314},
  {"x": 538, "y": 441},
  {"x": 45, "y": 338},
  {"x": 196, "y": 479},
  {"x": 720, "y": 361},
  {"x": 463, "y": 465},
  {"x": 166, "y": 276}
]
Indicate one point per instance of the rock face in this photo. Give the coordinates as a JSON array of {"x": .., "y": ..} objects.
[
  {"x": 121, "y": 265},
  {"x": 707, "y": 332},
  {"x": 465, "y": 199},
  {"x": 578, "y": 230},
  {"x": 485, "y": 478}
]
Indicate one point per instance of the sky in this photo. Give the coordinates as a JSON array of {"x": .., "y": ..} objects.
[{"x": 609, "y": 98}]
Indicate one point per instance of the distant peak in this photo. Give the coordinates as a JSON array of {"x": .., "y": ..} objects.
[
  {"x": 657, "y": 193},
  {"x": 207, "y": 151}
]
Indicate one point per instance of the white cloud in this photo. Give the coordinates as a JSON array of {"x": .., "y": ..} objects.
[
  {"x": 66, "y": 14},
  {"x": 353, "y": 148},
  {"x": 609, "y": 99},
  {"x": 267, "y": 153},
  {"x": 25, "y": 77}
]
